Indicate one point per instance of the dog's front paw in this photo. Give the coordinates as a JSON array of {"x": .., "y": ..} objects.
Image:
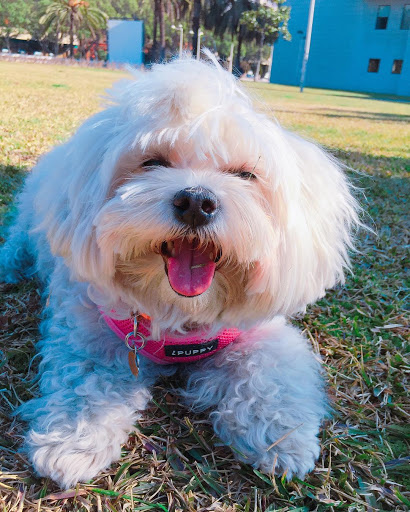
[
  {"x": 273, "y": 449},
  {"x": 294, "y": 457},
  {"x": 68, "y": 459}
]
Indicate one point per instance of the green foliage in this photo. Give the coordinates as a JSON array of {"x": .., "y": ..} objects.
[
  {"x": 83, "y": 16},
  {"x": 51, "y": 20},
  {"x": 73, "y": 17},
  {"x": 13, "y": 18},
  {"x": 267, "y": 23},
  {"x": 130, "y": 9},
  {"x": 224, "y": 16},
  {"x": 32, "y": 24}
]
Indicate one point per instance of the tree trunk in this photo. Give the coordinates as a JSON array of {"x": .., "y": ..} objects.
[
  {"x": 239, "y": 49},
  {"x": 97, "y": 46},
  {"x": 161, "y": 30},
  {"x": 196, "y": 15},
  {"x": 155, "y": 30},
  {"x": 43, "y": 45},
  {"x": 258, "y": 65},
  {"x": 57, "y": 42},
  {"x": 71, "y": 34},
  {"x": 82, "y": 50}
]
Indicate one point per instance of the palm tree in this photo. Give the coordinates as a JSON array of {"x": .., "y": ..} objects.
[{"x": 72, "y": 16}]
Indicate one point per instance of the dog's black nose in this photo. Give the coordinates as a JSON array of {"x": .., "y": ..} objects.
[{"x": 195, "y": 206}]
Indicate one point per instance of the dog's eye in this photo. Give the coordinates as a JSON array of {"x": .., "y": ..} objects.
[
  {"x": 245, "y": 175},
  {"x": 155, "y": 162}
]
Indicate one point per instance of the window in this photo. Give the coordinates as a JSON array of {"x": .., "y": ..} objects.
[
  {"x": 382, "y": 17},
  {"x": 397, "y": 65},
  {"x": 373, "y": 65},
  {"x": 405, "y": 19}
]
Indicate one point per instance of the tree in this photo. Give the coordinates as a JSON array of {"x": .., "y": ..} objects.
[
  {"x": 267, "y": 23},
  {"x": 165, "y": 13},
  {"x": 196, "y": 16},
  {"x": 177, "y": 9},
  {"x": 155, "y": 29},
  {"x": 224, "y": 16},
  {"x": 36, "y": 29},
  {"x": 72, "y": 16},
  {"x": 13, "y": 17},
  {"x": 161, "y": 21},
  {"x": 120, "y": 8}
]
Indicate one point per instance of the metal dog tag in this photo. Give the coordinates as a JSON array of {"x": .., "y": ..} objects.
[{"x": 133, "y": 359}]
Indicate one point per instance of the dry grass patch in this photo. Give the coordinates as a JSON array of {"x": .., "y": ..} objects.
[{"x": 173, "y": 461}]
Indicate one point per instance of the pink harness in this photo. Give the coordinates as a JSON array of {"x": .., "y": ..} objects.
[{"x": 173, "y": 349}]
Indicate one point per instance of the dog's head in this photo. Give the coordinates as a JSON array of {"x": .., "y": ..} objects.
[{"x": 181, "y": 201}]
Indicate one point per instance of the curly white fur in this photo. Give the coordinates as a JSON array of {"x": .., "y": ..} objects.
[
  {"x": 264, "y": 388},
  {"x": 90, "y": 222}
]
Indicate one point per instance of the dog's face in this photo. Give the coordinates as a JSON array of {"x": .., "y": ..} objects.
[
  {"x": 187, "y": 229},
  {"x": 182, "y": 202}
]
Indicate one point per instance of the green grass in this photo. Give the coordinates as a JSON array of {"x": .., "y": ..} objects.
[
  {"x": 173, "y": 461},
  {"x": 372, "y": 125}
]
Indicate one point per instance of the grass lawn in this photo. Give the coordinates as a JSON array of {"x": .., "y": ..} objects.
[{"x": 173, "y": 462}]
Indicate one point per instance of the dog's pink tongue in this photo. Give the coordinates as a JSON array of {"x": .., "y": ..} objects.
[{"x": 190, "y": 271}]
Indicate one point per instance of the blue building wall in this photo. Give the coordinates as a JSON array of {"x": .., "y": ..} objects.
[
  {"x": 344, "y": 38},
  {"x": 126, "y": 41}
]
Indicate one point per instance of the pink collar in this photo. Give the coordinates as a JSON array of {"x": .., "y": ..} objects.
[{"x": 172, "y": 349}]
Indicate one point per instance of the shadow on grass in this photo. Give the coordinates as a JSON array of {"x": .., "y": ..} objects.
[
  {"x": 361, "y": 95},
  {"x": 375, "y": 166},
  {"x": 353, "y": 114},
  {"x": 11, "y": 179},
  {"x": 337, "y": 93},
  {"x": 386, "y": 201},
  {"x": 376, "y": 97},
  {"x": 335, "y": 323}
]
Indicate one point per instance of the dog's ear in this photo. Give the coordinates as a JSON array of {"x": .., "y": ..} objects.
[
  {"x": 72, "y": 183},
  {"x": 314, "y": 213}
]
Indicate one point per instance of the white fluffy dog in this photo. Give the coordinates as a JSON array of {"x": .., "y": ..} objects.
[{"x": 179, "y": 202}]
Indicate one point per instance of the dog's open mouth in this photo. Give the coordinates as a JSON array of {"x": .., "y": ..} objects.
[{"x": 190, "y": 267}]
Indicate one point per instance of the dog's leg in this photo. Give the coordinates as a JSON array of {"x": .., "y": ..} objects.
[
  {"x": 267, "y": 399},
  {"x": 89, "y": 399}
]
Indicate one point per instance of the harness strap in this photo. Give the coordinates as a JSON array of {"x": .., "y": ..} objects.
[{"x": 170, "y": 349}]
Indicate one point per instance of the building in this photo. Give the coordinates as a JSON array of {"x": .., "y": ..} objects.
[
  {"x": 357, "y": 45},
  {"x": 126, "y": 41},
  {"x": 26, "y": 43}
]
